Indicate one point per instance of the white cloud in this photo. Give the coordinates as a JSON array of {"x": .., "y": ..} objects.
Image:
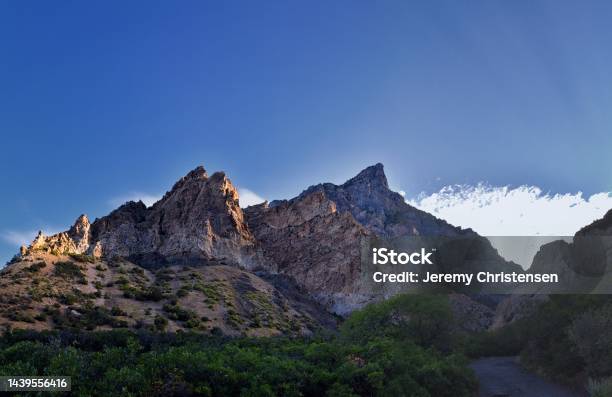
[
  {"x": 147, "y": 199},
  {"x": 21, "y": 237},
  {"x": 247, "y": 198},
  {"x": 521, "y": 211}
]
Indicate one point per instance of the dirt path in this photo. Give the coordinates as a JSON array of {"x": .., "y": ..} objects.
[{"x": 504, "y": 377}]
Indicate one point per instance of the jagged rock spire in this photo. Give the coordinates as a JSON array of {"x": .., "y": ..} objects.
[{"x": 373, "y": 175}]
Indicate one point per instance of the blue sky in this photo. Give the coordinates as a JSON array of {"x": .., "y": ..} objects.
[{"x": 105, "y": 100}]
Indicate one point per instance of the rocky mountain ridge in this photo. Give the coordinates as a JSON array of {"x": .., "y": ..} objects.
[
  {"x": 315, "y": 238},
  {"x": 313, "y": 242}
]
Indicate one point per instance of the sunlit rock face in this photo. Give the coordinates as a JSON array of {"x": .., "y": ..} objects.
[
  {"x": 198, "y": 219},
  {"x": 75, "y": 240}
]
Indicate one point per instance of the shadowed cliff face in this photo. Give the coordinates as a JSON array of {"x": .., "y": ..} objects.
[
  {"x": 583, "y": 265},
  {"x": 314, "y": 244},
  {"x": 317, "y": 238},
  {"x": 588, "y": 255}
]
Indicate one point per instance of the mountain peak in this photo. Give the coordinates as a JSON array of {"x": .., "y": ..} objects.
[
  {"x": 198, "y": 173},
  {"x": 373, "y": 175}
]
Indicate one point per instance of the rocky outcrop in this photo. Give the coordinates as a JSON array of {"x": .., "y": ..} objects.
[
  {"x": 515, "y": 307},
  {"x": 198, "y": 219},
  {"x": 470, "y": 315},
  {"x": 74, "y": 241}
]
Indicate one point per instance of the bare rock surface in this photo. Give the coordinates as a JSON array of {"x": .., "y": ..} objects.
[{"x": 199, "y": 218}]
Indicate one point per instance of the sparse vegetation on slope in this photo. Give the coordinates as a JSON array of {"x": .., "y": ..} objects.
[{"x": 44, "y": 291}]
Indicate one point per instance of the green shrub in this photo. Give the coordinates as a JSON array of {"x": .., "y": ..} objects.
[
  {"x": 142, "y": 364},
  {"x": 602, "y": 388},
  {"x": 160, "y": 323},
  {"x": 68, "y": 299},
  {"x": 35, "y": 267},
  {"x": 175, "y": 312},
  {"x": 591, "y": 333},
  {"x": 357, "y": 361},
  {"x": 83, "y": 258},
  {"x": 193, "y": 322},
  {"x": 506, "y": 341},
  {"x": 425, "y": 319},
  {"x": 116, "y": 311},
  {"x": 69, "y": 270}
]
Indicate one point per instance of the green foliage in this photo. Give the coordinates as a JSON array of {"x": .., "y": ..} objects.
[
  {"x": 69, "y": 270},
  {"x": 152, "y": 293},
  {"x": 592, "y": 336},
  {"x": 83, "y": 258},
  {"x": 160, "y": 323},
  {"x": 175, "y": 312},
  {"x": 567, "y": 336},
  {"x": 506, "y": 341},
  {"x": 19, "y": 316},
  {"x": 35, "y": 267},
  {"x": 359, "y": 361},
  {"x": 117, "y": 364},
  {"x": 139, "y": 292},
  {"x": 549, "y": 346},
  {"x": 602, "y": 388},
  {"x": 116, "y": 311},
  {"x": 425, "y": 319},
  {"x": 86, "y": 317}
]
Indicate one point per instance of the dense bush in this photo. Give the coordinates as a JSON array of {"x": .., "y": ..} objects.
[
  {"x": 35, "y": 267},
  {"x": 70, "y": 270},
  {"x": 359, "y": 361},
  {"x": 426, "y": 319},
  {"x": 507, "y": 341},
  {"x": 83, "y": 258},
  {"x": 591, "y": 333},
  {"x": 565, "y": 338}
]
